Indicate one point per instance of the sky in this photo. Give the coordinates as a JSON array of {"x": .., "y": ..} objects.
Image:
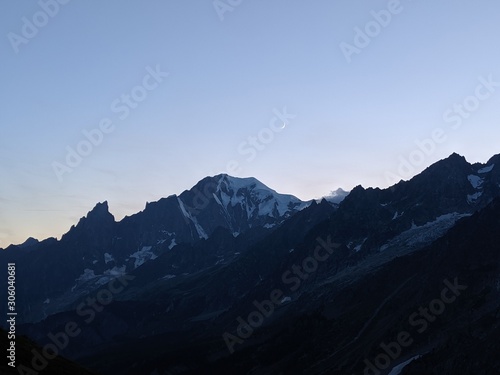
[{"x": 129, "y": 101}]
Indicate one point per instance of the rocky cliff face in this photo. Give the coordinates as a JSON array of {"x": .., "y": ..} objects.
[{"x": 349, "y": 278}]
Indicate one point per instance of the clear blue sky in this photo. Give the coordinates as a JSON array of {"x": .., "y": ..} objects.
[{"x": 353, "y": 120}]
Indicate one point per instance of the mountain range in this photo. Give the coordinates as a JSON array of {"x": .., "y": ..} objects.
[{"x": 233, "y": 277}]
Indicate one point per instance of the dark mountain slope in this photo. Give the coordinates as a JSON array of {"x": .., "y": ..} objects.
[{"x": 24, "y": 357}]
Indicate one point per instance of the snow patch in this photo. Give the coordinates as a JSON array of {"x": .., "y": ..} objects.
[
  {"x": 87, "y": 275},
  {"x": 199, "y": 229},
  {"x": 217, "y": 200},
  {"x": 396, "y": 215},
  {"x": 172, "y": 244},
  {"x": 451, "y": 217},
  {"x": 116, "y": 271},
  {"x": 111, "y": 274},
  {"x": 486, "y": 169},
  {"x": 475, "y": 181},
  {"x": 358, "y": 247},
  {"x": 108, "y": 258},
  {"x": 143, "y": 255},
  {"x": 471, "y": 198},
  {"x": 425, "y": 233}
]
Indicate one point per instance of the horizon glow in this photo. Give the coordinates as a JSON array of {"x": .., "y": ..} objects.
[{"x": 304, "y": 98}]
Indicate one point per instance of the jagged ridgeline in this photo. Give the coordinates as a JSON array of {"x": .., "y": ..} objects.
[{"x": 233, "y": 277}]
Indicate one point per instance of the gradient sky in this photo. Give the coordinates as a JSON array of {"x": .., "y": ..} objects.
[{"x": 354, "y": 121}]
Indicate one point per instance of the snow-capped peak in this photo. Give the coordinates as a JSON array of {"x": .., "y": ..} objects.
[{"x": 255, "y": 197}]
